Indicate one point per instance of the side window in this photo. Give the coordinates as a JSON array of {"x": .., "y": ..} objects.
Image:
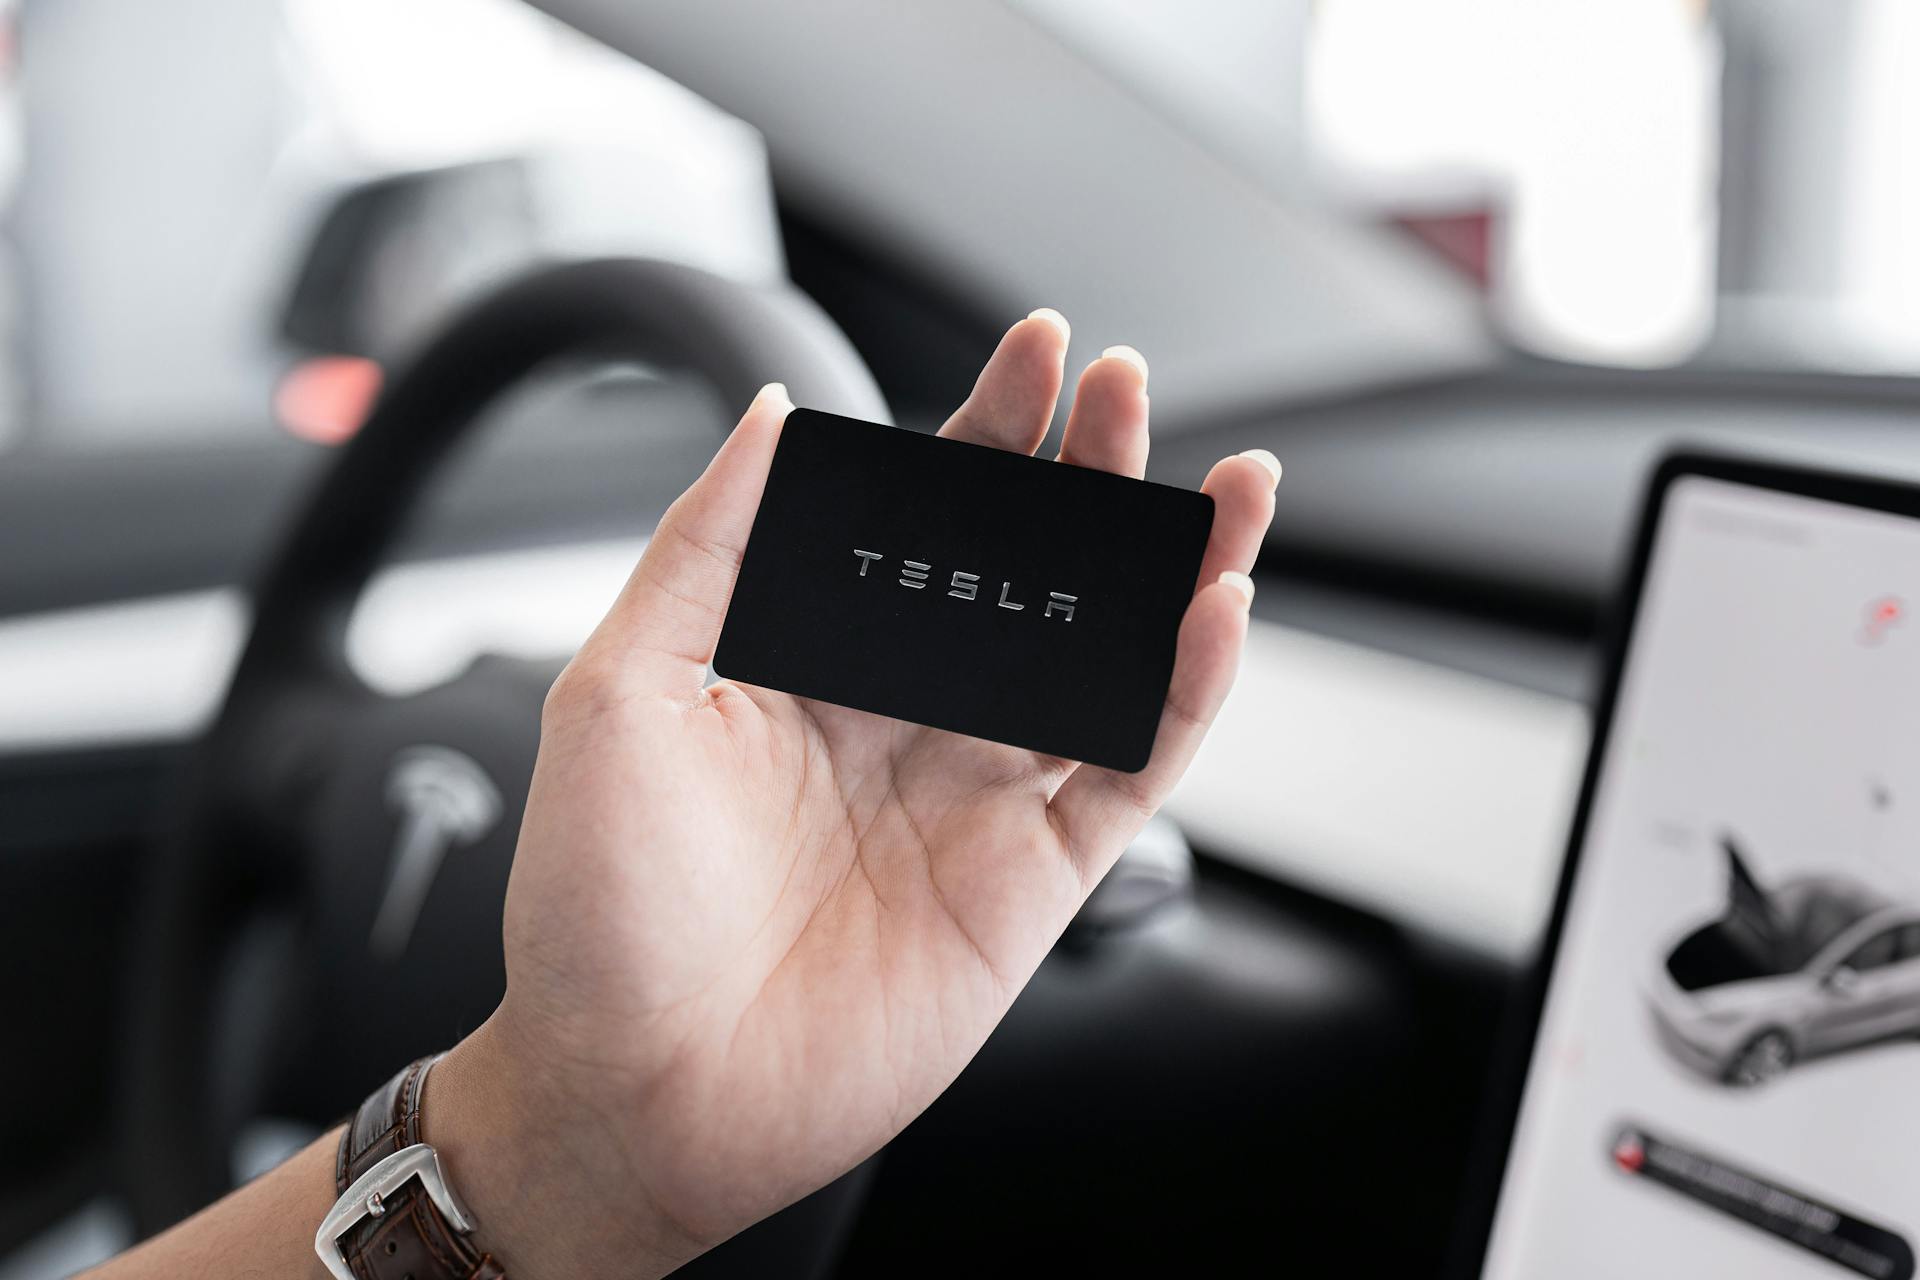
[
  {"x": 1910, "y": 942},
  {"x": 1874, "y": 952}
]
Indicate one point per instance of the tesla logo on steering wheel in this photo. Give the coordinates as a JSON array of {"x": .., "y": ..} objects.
[{"x": 445, "y": 799}]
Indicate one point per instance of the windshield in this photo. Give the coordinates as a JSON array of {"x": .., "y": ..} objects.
[
  {"x": 1640, "y": 183},
  {"x": 1647, "y": 183}
]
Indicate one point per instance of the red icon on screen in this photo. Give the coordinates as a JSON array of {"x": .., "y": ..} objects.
[{"x": 1883, "y": 615}]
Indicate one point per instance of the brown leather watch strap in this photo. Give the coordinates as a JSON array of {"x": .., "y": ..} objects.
[{"x": 409, "y": 1240}]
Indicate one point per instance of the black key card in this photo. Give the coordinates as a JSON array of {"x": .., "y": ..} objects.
[{"x": 966, "y": 588}]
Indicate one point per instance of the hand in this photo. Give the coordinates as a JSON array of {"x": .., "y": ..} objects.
[{"x": 750, "y": 936}]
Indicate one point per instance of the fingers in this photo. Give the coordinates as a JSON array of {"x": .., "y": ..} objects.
[
  {"x": 1100, "y": 810},
  {"x": 1107, "y": 429},
  {"x": 1097, "y": 811},
  {"x": 1242, "y": 488},
  {"x": 659, "y": 636},
  {"x": 1012, "y": 402}
]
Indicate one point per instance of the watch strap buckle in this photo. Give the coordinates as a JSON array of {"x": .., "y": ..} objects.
[{"x": 367, "y": 1197}]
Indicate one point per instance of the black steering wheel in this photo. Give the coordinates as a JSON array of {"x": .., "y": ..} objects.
[{"x": 297, "y": 945}]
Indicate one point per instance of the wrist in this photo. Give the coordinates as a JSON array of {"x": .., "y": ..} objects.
[{"x": 546, "y": 1202}]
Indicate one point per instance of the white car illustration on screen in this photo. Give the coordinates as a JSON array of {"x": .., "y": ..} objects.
[{"x": 1816, "y": 965}]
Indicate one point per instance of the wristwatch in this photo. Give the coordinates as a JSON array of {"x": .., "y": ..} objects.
[{"x": 397, "y": 1218}]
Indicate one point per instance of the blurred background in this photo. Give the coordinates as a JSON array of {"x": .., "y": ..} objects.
[{"x": 1467, "y": 266}]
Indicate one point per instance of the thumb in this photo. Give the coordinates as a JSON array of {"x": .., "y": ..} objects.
[{"x": 659, "y": 636}]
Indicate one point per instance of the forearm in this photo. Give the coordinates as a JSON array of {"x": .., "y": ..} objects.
[
  {"x": 531, "y": 1198},
  {"x": 264, "y": 1229}
]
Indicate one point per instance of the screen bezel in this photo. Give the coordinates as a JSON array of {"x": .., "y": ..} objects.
[{"x": 1514, "y": 1058}]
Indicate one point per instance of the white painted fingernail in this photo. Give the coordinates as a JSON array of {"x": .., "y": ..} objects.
[
  {"x": 775, "y": 393},
  {"x": 1132, "y": 357},
  {"x": 1267, "y": 460},
  {"x": 1055, "y": 319},
  {"x": 1239, "y": 582}
]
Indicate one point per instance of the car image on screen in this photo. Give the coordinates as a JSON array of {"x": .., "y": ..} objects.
[{"x": 1816, "y": 965}]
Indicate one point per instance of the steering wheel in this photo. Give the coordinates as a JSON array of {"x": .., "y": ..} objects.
[{"x": 297, "y": 944}]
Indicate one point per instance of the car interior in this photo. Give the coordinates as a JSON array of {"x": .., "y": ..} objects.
[{"x": 1470, "y": 271}]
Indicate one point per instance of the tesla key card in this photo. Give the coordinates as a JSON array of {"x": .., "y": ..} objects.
[{"x": 966, "y": 588}]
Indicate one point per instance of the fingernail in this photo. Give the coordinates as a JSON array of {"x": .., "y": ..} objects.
[
  {"x": 1132, "y": 357},
  {"x": 1267, "y": 460},
  {"x": 1239, "y": 582},
  {"x": 1055, "y": 319},
  {"x": 775, "y": 392}
]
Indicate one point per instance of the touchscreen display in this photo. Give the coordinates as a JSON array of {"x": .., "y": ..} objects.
[{"x": 1726, "y": 1080}]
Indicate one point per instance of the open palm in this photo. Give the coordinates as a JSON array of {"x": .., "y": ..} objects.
[{"x": 754, "y": 935}]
